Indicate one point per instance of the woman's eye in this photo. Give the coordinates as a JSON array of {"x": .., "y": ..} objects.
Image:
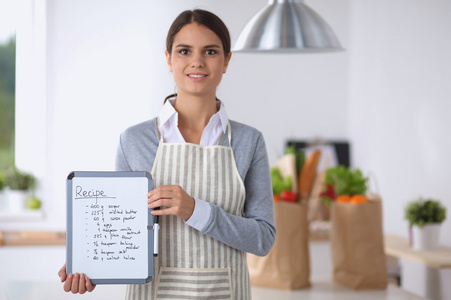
[
  {"x": 184, "y": 51},
  {"x": 210, "y": 52}
]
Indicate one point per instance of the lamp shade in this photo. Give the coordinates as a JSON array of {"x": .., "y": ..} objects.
[{"x": 287, "y": 26}]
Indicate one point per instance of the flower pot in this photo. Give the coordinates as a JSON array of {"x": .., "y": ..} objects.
[
  {"x": 16, "y": 200},
  {"x": 426, "y": 237},
  {"x": 3, "y": 204}
]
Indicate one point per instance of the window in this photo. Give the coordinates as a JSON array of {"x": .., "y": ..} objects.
[
  {"x": 7, "y": 83},
  {"x": 21, "y": 34}
]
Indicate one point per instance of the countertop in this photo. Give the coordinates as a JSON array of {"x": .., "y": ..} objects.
[{"x": 322, "y": 289}]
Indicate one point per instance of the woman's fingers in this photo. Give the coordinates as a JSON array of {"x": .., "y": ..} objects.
[
  {"x": 158, "y": 196},
  {"x": 62, "y": 273},
  {"x": 78, "y": 284},
  {"x": 161, "y": 192},
  {"x": 82, "y": 284},
  {"x": 68, "y": 283},
  {"x": 173, "y": 200},
  {"x": 89, "y": 286},
  {"x": 75, "y": 283}
]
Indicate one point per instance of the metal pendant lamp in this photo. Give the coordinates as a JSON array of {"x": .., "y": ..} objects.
[{"x": 287, "y": 26}]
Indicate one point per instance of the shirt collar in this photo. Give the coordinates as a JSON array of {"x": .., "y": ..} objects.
[
  {"x": 222, "y": 115},
  {"x": 168, "y": 112}
]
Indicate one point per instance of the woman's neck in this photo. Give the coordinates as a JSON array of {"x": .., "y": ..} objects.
[{"x": 194, "y": 113}]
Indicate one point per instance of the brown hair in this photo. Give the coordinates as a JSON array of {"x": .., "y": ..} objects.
[{"x": 202, "y": 17}]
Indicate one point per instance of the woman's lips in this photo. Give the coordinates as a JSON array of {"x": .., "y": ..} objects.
[{"x": 197, "y": 76}]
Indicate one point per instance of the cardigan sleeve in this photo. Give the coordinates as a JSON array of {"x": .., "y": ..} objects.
[
  {"x": 121, "y": 160},
  {"x": 255, "y": 232}
]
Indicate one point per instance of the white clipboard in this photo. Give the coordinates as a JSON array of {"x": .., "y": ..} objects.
[{"x": 109, "y": 227}]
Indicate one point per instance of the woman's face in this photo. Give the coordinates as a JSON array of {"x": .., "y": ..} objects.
[{"x": 197, "y": 60}]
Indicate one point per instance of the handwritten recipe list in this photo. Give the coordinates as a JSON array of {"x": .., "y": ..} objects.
[{"x": 110, "y": 227}]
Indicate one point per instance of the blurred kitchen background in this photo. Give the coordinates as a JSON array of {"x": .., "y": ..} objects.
[{"x": 86, "y": 70}]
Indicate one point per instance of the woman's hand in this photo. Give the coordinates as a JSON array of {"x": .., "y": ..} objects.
[
  {"x": 75, "y": 283},
  {"x": 173, "y": 200}
]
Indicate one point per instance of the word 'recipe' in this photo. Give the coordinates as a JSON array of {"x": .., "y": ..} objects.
[{"x": 82, "y": 194}]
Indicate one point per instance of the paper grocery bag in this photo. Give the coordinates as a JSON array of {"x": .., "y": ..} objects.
[
  {"x": 287, "y": 266},
  {"x": 357, "y": 245}
]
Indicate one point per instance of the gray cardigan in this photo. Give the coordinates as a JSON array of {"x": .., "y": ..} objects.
[{"x": 254, "y": 233}]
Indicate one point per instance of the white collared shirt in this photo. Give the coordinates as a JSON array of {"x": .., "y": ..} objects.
[{"x": 211, "y": 136}]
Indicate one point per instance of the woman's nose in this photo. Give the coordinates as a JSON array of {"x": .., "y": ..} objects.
[{"x": 198, "y": 61}]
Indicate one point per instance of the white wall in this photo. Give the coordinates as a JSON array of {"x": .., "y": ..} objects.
[{"x": 400, "y": 100}]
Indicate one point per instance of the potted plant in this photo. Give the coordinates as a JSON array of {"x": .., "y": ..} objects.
[
  {"x": 424, "y": 217},
  {"x": 19, "y": 186}
]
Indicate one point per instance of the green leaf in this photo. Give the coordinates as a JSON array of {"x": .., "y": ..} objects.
[
  {"x": 420, "y": 212},
  {"x": 345, "y": 181}
]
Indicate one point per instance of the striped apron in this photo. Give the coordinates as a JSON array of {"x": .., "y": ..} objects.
[{"x": 192, "y": 265}]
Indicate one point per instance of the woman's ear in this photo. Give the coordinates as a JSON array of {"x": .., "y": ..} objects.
[
  {"x": 168, "y": 59},
  {"x": 226, "y": 62}
]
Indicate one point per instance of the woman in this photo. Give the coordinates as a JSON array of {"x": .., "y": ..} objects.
[{"x": 211, "y": 176}]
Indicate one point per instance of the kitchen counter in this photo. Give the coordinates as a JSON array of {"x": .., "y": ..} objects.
[
  {"x": 439, "y": 258},
  {"x": 423, "y": 272}
]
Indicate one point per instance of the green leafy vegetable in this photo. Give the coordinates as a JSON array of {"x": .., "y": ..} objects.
[
  {"x": 279, "y": 183},
  {"x": 345, "y": 181}
]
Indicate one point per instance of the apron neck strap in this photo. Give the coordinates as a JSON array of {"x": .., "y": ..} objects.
[
  {"x": 229, "y": 133},
  {"x": 158, "y": 131}
]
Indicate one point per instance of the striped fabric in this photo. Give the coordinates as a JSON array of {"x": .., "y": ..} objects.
[
  {"x": 177, "y": 283},
  {"x": 192, "y": 265}
]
